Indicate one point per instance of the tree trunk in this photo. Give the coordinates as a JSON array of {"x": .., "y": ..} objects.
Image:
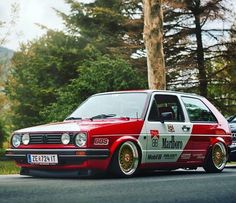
[
  {"x": 153, "y": 39},
  {"x": 200, "y": 58}
]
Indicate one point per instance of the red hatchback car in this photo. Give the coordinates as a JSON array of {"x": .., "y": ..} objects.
[{"x": 123, "y": 132}]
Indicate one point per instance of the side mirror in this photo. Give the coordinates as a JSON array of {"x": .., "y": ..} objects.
[{"x": 167, "y": 116}]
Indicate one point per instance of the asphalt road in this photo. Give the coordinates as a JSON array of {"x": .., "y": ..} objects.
[{"x": 176, "y": 186}]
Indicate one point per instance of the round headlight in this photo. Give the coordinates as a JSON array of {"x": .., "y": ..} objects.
[
  {"x": 65, "y": 139},
  {"x": 25, "y": 139},
  {"x": 16, "y": 140},
  {"x": 81, "y": 139}
]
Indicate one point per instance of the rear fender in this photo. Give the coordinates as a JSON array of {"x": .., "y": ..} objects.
[{"x": 214, "y": 141}]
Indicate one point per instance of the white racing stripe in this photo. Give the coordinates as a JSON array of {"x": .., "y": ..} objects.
[{"x": 57, "y": 127}]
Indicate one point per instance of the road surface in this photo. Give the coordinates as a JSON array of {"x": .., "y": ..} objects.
[{"x": 176, "y": 186}]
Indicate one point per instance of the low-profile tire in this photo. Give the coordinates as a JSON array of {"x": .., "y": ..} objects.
[
  {"x": 216, "y": 159},
  {"x": 125, "y": 161}
]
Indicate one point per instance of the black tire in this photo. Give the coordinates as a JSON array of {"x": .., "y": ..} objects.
[
  {"x": 216, "y": 159},
  {"x": 125, "y": 161}
]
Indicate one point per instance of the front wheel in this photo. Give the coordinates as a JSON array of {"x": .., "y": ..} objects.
[
  {"x": 126, "y": 160},
  {"x": 216, "y": 159}
]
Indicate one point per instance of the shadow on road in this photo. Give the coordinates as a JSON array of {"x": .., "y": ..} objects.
[
  {"x": 146, "y": 173},
  {"x": 142, "y": 174}
]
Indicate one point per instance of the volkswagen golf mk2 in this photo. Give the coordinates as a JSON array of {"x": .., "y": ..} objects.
[{"x": 124, "y": 132}]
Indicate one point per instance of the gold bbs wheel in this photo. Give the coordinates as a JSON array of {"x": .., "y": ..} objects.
[
  {"x": 128, "y": 158},
  {"x": 219, "y": 155}
]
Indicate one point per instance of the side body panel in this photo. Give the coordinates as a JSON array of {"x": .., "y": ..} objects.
[{"x": 183, "y": 144}]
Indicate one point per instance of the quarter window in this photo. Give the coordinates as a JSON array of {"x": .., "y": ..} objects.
[{"x": 197, "y": 110}]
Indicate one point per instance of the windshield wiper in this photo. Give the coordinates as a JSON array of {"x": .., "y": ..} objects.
[
  {"x": 73, "y": 118},
  {"x": 102, "y": 116}
]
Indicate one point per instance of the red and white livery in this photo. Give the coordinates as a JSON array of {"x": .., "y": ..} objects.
[{"x": 123, "y": 132}]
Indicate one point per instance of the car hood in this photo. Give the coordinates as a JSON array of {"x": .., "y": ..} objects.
[
  {"x": 51, "y": 127},
  {"x": 95, "y": 126}
]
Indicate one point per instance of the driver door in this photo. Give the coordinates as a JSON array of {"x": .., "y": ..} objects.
[{"x": 167, "y": 131}]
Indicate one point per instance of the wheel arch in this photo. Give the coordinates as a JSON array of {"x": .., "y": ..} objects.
[
  {"x": 208, "y": 163},
  {"x": 115, "y": 146},
  {"x": 214, "y": 140}
]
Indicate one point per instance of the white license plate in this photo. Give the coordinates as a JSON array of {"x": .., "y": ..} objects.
[{"x": 43, "y": 159}]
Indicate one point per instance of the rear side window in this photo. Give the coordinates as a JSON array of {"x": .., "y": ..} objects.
[{"x": 198, "y": 111}]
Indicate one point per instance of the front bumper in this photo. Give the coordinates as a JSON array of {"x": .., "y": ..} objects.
[{"x": 65, "y": 156}]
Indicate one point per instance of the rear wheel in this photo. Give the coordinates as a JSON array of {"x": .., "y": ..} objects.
[
  {"x": 126, "y": 160},
  {"x": 216, "y": 159}
]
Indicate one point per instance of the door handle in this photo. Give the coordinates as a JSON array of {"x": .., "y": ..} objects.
[{"x": 185, "y": 128}]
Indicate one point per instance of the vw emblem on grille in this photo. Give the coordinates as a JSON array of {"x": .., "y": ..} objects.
[{"x": 45, "y": 138}]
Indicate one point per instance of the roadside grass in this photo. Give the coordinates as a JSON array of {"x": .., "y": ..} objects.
[{"x": 8, "y": 167}]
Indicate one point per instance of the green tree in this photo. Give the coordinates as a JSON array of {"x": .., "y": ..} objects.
[
  {"x": 191, "y": 43},
  {"x": 113, "y": 27},
  {"x": 45, "y": 70},
  {"x": 2, "y": 134},
  {"x": 222, "y": 85},
  {"x": 101, "y": 75},
  {"x": 6, "y": 29},
  {"x": 38, "y": 70}
]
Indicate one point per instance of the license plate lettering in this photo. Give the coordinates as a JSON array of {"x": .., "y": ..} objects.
[{"x": 43, "y": 159}]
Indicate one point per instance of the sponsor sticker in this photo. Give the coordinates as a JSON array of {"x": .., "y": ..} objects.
[
  {"x": 101, "y": 141},
  {"x": 185, "y": 156},
  {"x": 171, "y": 143},
  {"x": 170, "y": 156},
  {"x": 170, "y": 128},
  {"x": 155, "y": 137},
  {"x": 154, "y": 133},
  {"x": 198, "y": 156},
  {"x": 154, "y": 142},
  {"x": 154, "y": 156}
]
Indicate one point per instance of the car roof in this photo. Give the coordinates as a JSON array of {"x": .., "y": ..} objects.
[{"x": 150, "y": 92}]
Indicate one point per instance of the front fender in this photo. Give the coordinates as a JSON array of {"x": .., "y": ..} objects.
[{"x": 123, "y": 139}]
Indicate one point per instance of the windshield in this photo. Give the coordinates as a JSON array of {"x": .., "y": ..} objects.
[{"x": 115, "y": 105}]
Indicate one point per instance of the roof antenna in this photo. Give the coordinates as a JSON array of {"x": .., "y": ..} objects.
[{"x": 137, "y": 115}]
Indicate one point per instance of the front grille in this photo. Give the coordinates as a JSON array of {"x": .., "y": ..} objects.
[{"x": 45, "y": 139}]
